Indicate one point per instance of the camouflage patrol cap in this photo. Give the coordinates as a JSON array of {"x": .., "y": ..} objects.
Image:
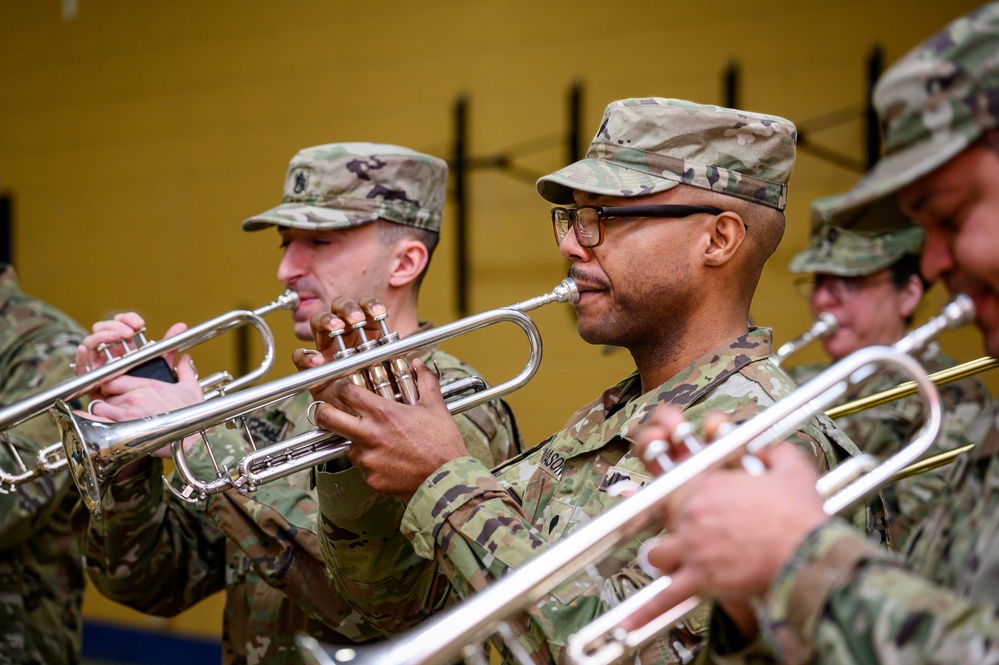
[
  {"x": 837, "y": 251},
  {"x": 651, "y": 145},
  {"x": 933, "y": 103},
  {"x": 340, "y": 185}
]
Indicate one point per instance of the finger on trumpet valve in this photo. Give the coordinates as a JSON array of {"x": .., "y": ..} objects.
[
  {"x": 343, "y": 351},
  {"x": 365, "y": 343},
  {"x": 684, "y": 434},
  {"x": 643, "y": 557},
  {"x": 658, "y": 451},
  {"x": 386, "y": 337},
  {"x": 106, "y": 350}
]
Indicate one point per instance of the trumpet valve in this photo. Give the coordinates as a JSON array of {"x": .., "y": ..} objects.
[
  {"x": 365, "y": 344},
  {"x": 106, "y": 350},
  {"x": 386, "y": 336},
  {"x": 380, "y": 381},
  {"x": 403, "y": 375},
  {"x": 343, "y": 352},
  {"x": 684, "y": 433}
]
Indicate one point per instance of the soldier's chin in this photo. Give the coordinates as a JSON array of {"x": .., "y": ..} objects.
[{"x": 597, "y": 336}]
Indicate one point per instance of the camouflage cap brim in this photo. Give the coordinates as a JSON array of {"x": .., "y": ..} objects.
[
  {"x": 598, "y": 176},
  {"x": 342, "y": 212},
  {"x": 312, "y": 218},
  {"x": 877, "y": 189},
  {"x": 835, "y": 251}
]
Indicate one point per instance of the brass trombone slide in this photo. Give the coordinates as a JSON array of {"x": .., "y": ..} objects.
[
  {"x": 449, "y": 637},
  {"x": 944, "y": 376},
  {"x": 50, "y": 459}
]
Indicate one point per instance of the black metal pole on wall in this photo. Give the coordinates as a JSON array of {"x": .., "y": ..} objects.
[
  {"x": 575, "y": 145},
  {"x": 875, "y": 62},
  {"x": 459, "y": 174},
  {"x": 6, "y": 228},
  {"x": 732, "y": 85}
]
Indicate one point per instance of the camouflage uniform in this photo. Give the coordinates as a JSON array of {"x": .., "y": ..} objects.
[
  {"x": 837, "y": 600},
  {"x": 41, "y": 571},
  {"x": 480, "y": 524},
  {"x": 162, "y": 556}
]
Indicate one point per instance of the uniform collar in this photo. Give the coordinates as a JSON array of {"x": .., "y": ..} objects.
[{"x": 621, "y": 409}]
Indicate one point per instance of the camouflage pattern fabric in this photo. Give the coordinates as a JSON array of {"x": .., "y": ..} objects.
[
  {"x": 477, "y": 525},
  {"x": 933, "y": 103},
  {"x": 340, "y": 185},
  {"x": 162, "y": 556},
  {"x": 41, "y": 567},
  {"x": 835, "y": 251},
  {"x": 652, "y": 144},
  {"x": 882, "y": 430},
  {"x": 839, "y": 601}
]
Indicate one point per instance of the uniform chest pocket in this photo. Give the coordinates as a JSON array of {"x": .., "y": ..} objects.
[{"x": 556, "y": 518}]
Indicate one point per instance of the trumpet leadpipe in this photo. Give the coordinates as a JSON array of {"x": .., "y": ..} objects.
[{"x": 824, "y": 326}]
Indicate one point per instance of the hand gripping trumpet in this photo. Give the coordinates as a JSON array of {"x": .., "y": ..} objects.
[
  {"x": 824, "y": 326},
  {"x": 448, "y": 638},
  {"x": 97, "y": 451},
  {"x": 140, "y": 358}
]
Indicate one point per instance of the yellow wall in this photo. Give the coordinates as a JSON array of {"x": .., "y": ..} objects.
[{"x": 136, "y": 137}]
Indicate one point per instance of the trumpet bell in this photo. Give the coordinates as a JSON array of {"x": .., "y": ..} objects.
[{"x": 84, "y": 459}]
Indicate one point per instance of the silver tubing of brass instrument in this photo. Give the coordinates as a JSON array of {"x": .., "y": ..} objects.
[
  {"x": 440, "y": 641},
  {"x": 308, "y": 449},
  {"x": 30, "y": 407},
  {"x": 98, "y": 450},
  {"x": 824, "y": 326},
  {"x": 603, "y": 641}
]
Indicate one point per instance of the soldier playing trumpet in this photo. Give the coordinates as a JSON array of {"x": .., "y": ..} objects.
[
  {"x": 355, "y": 218},
  {"x": 671, "y": 217}
]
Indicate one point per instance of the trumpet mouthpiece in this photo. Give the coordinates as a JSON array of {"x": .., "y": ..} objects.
[{"x": 565, "y": 292}]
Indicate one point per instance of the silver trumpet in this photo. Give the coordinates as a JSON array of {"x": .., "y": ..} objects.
[
  {"x": 451, "y": 635},
  {"x": 824, "y": 326},
  {"x": 51, "y": 459},
  {"x": 97, "y": 451}
]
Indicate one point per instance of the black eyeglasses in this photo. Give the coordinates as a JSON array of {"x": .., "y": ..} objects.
[{"x": 588, "y": 221}]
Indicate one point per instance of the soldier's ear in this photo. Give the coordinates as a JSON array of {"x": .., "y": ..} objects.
[
  {"x": 910, "y": 296},
  {"x": 726, "y": 233},
  {"x": 407, "y": 259}
]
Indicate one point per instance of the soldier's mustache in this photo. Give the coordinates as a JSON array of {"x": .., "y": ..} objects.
[{"x": 587, "y": 280}]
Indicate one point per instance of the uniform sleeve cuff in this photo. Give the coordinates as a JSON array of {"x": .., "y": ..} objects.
[
  {"x": 826, "y": 559},
  {"x": 133, "y": 499},
  {"x": 448, "y": 488},
  {"x": 344, "y": 497}
]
